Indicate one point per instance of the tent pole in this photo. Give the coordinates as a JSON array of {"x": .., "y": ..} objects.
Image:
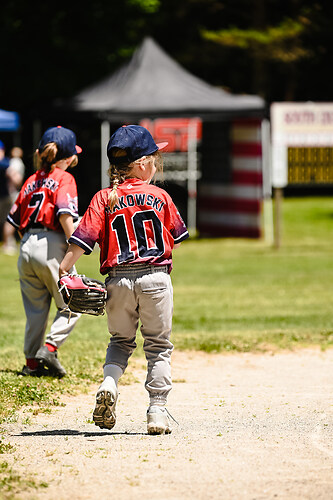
[
  {"x": 192, "y": 178},
  {"x": 105, "y": 136},
  {"x": 267, "y": 182}
]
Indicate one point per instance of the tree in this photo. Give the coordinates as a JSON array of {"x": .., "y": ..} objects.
[{"x": 280, "y": 47}]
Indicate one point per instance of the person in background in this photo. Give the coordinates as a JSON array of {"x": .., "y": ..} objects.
[
  {"x": 5, "y": 200},
  {"x": 44, "y": 214},
  {"x": 15, "y": 175},
  {"x": 137, "y": 226}
]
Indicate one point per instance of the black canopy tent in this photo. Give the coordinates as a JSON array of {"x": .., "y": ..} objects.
[{"x": 152, "y": 85}]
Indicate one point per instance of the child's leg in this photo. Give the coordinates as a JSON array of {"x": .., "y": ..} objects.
[
  {"x": 36, "y": 301},
  {"x": 113, "y": 371},
  {"x": 123, "y": 318},
  {"x": 64, "y": 321},
  {"x": 155, "y": 310},
  {"x": 122, "y": 324}
]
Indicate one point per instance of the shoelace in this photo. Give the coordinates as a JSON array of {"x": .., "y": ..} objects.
[
  {"x": 172, "y": 418},
  {"x": 166, "y": 409},
  {"x": 66, "y": 309}
]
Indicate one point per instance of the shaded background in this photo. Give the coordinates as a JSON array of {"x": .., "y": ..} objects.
[
  {"x": 50, "y": 52},
  {"x": 279, "y": 50}
]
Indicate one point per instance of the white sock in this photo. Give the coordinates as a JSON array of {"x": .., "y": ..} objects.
[
  {"x": 113, "y": 371},
  {"x": 157, "y": 402}
]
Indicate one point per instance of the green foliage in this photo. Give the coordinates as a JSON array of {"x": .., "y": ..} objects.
[
  {"x": 150, "y": 6},
  {"x": 87, "y": 45},
  {"x": 235, "y": 37},
  {"x": 281, "y": 43}
]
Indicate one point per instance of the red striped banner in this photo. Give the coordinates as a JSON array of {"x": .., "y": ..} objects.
[
  {"x": 234, "y": 209},
  {"x": 246, "y": 149},
  {"x": 230, "y": 205},
  {"x": 245, "y": 177}
]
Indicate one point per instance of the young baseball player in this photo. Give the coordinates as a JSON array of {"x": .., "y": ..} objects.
[
  {"x": 136, "y": 225},
  {"x": 43, "y": 214}
]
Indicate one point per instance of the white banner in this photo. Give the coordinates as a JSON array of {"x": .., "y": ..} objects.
[{"x": 305, "y": 124}]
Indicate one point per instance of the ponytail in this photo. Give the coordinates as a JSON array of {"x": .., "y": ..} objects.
[
  {"x": 117, "y": 174},
  {"x": 113, "y": 196},
  {"x": 46, "y": 158}
]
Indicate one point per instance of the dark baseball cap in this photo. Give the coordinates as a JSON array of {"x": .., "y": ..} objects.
[
  {"x": 64, "y": 138},
  {"x": 137, "y": 141}
]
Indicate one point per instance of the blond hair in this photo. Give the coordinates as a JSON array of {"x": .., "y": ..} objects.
[
  {"x": 119, "y": 173},
  {"x": 47, "y": 158}
]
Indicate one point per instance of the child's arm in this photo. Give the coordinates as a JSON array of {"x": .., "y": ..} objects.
[
  {"x": 73, "y": 253},
  {"x": 66, "y": 221}
]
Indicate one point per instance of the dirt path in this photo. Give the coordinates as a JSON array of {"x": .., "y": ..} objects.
[{"x": 250, "y": 427}]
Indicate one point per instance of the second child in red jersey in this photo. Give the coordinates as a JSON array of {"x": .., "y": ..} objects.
[
  {"x": 44, "y": 214},
  {"x": 136, "y": 225}
]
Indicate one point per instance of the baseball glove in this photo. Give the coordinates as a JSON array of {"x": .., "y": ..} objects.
[{"x": 82, "y": 294}]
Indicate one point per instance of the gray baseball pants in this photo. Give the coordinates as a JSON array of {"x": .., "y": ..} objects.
[
  {"x": 40, "y": 255},
  {"x": 141, "y": 292}
]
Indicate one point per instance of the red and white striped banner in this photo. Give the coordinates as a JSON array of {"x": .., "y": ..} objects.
[{"x": 234, "y": 209}]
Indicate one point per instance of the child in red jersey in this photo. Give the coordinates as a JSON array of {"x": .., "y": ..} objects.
[
  {"x": 136, "y": 225},
  {"x": 43, "y": 214}
]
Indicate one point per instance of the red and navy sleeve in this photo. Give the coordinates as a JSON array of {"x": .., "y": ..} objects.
[
  {"x": 67, "y": 199},
  {"x": 14, "y": 216},
  {"x": 91, "y": 227},
  {"x": 178, "y": 229}
]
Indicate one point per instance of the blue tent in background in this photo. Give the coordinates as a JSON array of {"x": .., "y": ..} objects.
[{"x": 9, "y": 121}]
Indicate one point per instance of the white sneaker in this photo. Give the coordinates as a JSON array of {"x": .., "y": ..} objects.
[
  {"x": 158, "y": 420},
  {"x": 104, "y": 414}
]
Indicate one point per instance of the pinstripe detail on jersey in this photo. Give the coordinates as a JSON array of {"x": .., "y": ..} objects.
[
  {"x": 62, "y": 211},
  {"x": 182, "y": 237},
  {"x": 80, "y": 243},
  {"x": 9, "y": 219}
]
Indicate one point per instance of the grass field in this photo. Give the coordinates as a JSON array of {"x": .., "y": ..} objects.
[{"x": 229, "y": 295}]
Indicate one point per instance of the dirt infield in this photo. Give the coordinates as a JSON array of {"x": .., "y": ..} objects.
[{"x": 251, "y": 426}]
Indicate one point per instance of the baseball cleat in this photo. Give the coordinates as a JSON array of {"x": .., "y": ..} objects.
[
  {"x": 158, "y": 420},
  {"x": 28, "y": 372},
  {"x": 104, "y": 414},
  {"x": 50, "y": 359}
]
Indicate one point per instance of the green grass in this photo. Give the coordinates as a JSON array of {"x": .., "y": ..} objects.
[
  {"x": 229, "y": 295},
  {"x": 245, "y": 295}
]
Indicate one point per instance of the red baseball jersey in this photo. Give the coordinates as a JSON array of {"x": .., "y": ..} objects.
[
  {"x": 43, "y": 198},
  {"x": 143, "y": 226}
]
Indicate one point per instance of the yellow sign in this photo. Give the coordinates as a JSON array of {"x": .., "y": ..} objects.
[{"x": 310, "y": 165}]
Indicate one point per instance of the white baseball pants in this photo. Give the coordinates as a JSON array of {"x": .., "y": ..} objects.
[
  {"x": 40, "y": 255},
  {"x": 142, "y": 292}
]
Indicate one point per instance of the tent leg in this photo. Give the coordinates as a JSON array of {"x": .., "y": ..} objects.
[
  {"x": 105, "y": 136},
  {"x": 192, "y": 178}
]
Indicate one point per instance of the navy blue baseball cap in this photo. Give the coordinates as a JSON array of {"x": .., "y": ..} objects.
[
  {"x": 64, "y": 138},
  {"x": 137, "y": 141}
]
